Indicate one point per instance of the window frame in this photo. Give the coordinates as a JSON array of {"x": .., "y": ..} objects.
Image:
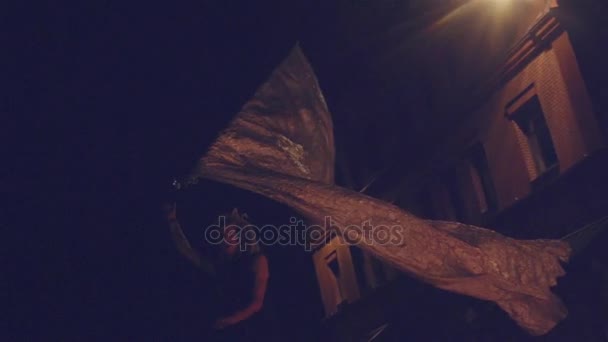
[
  {"x": 532, "y": 149},
  {"x": 478, "y": 163}
]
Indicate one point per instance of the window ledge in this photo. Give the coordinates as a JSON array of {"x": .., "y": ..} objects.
[{"x": 545, "y": 178}]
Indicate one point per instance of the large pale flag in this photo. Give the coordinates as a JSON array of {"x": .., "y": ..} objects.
[{"x": 281, "y": 145}]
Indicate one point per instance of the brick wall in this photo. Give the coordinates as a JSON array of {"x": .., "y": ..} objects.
[
  {"x": 572, "y": 124},
  {"x": 554, "y": 77}
]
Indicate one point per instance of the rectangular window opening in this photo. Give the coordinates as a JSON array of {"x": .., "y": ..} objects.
[
  {"x": 482, "y": 180},
  {"x": 538, "y": 143}
]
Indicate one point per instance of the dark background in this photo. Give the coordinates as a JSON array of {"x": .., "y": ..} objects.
[{"x": 106, "y": 102}]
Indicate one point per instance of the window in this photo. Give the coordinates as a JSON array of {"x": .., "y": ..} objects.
[
  {"x": 535, "y": 137},
  {"x": 369, "y": 271},
  {"x": 358, "y": 258},
  {"x": 378, "y": 269},
  {"x": 482, "y": 180},
  {"x": 334, "y": 265}
]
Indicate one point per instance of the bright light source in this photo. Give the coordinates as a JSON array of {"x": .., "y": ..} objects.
[{"x": 502, "y": 4}]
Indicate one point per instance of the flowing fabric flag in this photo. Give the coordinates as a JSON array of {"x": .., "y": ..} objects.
[{"x": 281, "y": 145}]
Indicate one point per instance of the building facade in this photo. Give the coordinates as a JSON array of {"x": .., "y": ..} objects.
[{"x": 528, "y": 159}]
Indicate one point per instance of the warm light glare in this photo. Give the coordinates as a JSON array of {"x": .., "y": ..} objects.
[{"x": 502, "y": 3}]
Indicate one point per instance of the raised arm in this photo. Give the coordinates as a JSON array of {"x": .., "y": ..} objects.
[
  {"x": 260, "y": 268},
  {"x": 181, "y": 241}
]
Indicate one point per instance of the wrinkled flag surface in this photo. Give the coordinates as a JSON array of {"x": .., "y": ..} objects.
[{"x": 281, "y": 145}]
